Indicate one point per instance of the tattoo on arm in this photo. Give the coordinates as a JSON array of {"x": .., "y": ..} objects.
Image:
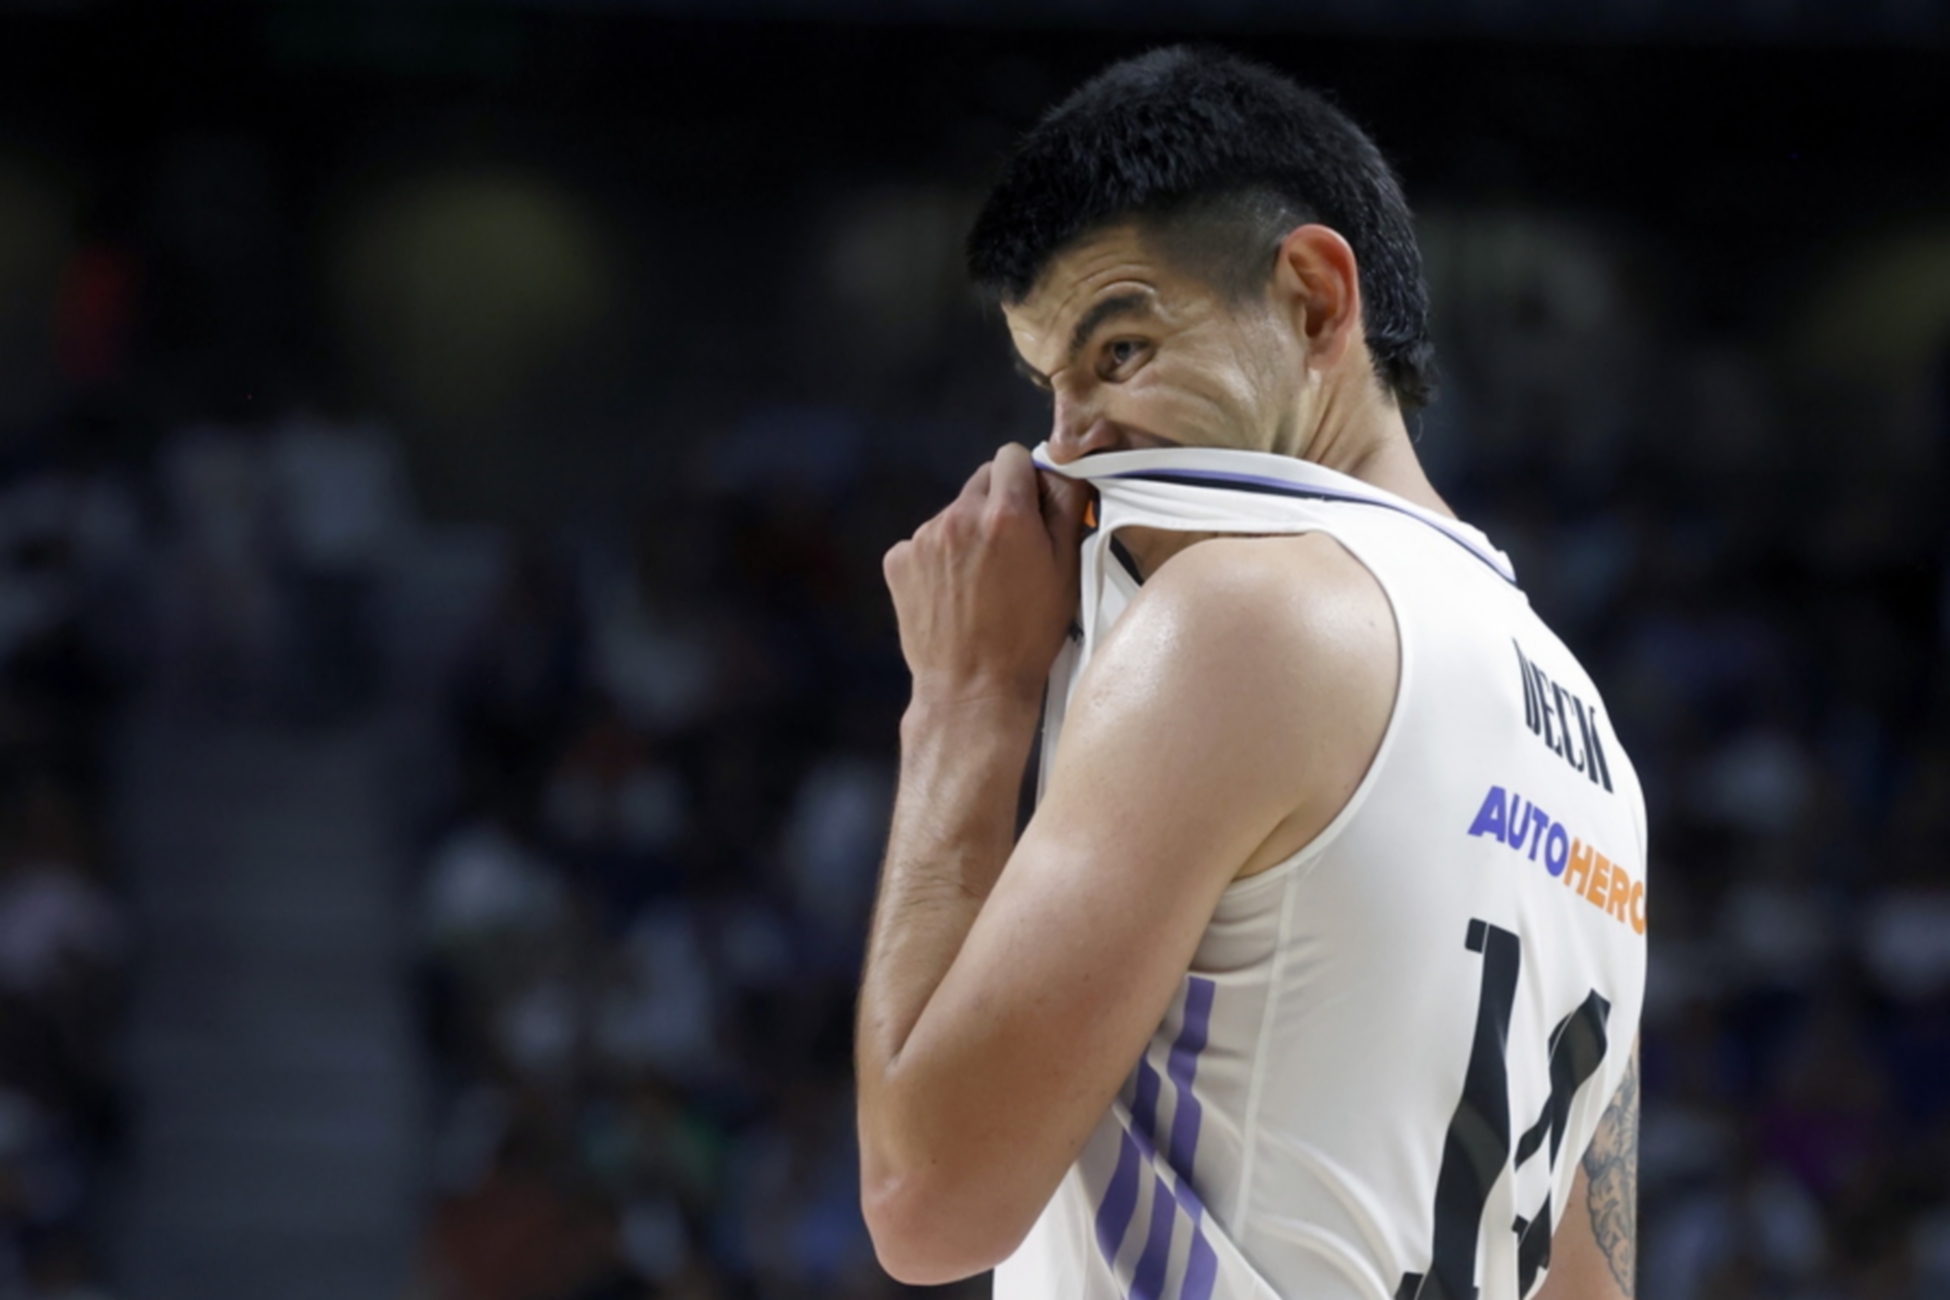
[{"x": 1611, "y": 1166}]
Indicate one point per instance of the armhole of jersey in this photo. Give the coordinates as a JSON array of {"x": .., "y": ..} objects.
[
  {"x": 1249, "y": 1134},
  {"x": 1310, "y": 852}
]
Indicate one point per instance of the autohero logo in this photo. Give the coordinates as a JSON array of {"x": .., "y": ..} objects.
[{"x": 1527, "y": 829}]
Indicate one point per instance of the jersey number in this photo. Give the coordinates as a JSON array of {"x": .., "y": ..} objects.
[{"x": 1477, "y": 1148}]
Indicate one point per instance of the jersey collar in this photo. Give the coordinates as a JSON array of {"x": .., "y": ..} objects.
[{"x": 1263, "y": 473}]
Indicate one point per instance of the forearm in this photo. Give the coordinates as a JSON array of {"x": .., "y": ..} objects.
[
  {"x": 953, "y": 828},
  {"x": 985, "y": 593}
]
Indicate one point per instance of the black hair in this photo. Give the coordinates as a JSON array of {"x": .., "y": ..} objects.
[{"x": 1222, "y": 157}]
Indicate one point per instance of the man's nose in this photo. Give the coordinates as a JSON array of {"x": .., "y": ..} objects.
[{"x": 1078, "y": 429}]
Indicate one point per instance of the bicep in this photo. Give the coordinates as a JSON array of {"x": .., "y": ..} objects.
[
  {"x": 1594, "y": 1253},
  {"x": 1229, "y": 696},
  {"x": 1091, "y": 926}
]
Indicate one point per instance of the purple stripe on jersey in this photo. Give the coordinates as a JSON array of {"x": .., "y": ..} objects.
[
  {"x": 1120, "y": 1197},
  {"x": 1144, "y": 1101},
  {"x": 1201, "y": 1270},
  {"x": 1120, "y": 1201},
  {"x": 1139, "y": 1147},
  {"x": 1148, "y": 1283},
  {"x": 1182, "y": 1066}
]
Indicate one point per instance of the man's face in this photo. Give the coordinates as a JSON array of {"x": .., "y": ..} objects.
[{"x": 1138, "y": 352}]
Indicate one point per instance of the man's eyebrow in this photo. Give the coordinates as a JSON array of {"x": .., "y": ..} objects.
[{"x": 1134, "y": 303}]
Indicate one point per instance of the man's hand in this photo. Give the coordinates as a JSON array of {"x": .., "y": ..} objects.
[{"x": 986, "y": 590}]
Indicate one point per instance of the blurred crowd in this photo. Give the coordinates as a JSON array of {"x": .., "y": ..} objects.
[
  {"x": 69, "y": 548},
  {"x": 644, "y": 913},
  {"x": 663, "y": 753}
]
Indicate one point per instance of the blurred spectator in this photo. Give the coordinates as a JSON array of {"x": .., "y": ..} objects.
[
  {"x": 70, "y": 542},
  {"x": 796, "y": 1210},
  {"x": 519, "y": 1234},
  {"x": 59, "y": 933},
  {"x": 832, "y": 842},
  {"x": 485, "y": 891},
  {"x": 340, "y": 511},
  {"x": 218, "y": 606},
  {"x": 618, "y": 813}
]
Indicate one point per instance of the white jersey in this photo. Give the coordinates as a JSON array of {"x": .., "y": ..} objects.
[{"x": 1391, "y": 1049}]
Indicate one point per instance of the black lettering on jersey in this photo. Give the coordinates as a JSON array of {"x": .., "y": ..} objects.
[
  {"x": 1578, "y": 1047},
  {"x": 1531, "y": 717},
  {"x": 1477, "y": 1150},
  {"x": 1567, "y": 725},
  {"x": 1478, "y": 1142}
]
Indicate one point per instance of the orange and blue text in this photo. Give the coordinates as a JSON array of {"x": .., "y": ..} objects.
[{"x": 1527, "y": 829}]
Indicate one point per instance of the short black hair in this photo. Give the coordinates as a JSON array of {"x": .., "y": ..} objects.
[{"x": 1229, "y": 156}]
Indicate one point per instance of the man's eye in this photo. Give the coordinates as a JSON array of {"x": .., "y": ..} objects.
[{"x": 1122, "y": 352}]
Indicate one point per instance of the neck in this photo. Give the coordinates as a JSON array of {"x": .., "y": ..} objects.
[{"x": 1364, "y": 438}]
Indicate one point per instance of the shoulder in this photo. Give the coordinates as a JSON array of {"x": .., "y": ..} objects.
[
  {"x": 1272, "y": 659},
  {"x": 1302, "y": 572},
  {"x": 1288, "y": 610}
]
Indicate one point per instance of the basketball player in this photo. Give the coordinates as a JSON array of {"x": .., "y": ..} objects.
[{"x": 1317, "y": 972}]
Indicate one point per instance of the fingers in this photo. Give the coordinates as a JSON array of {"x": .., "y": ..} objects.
[
  {"x": 1063, "y": 502},
  {"x": 1017, "y": 487},
  {"x": 895, "y": 562},
  {"x": 1013, "y": 485},
  {"x": 977, "y": 487}
]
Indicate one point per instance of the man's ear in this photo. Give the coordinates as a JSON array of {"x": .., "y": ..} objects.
[{"x": 1316, "y": 280}]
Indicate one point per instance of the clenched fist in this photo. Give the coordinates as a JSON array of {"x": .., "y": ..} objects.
[{"x": 986, "y": 590}]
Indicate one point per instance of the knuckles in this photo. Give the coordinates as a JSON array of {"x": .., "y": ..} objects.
[{"x": 999, "y": 511}]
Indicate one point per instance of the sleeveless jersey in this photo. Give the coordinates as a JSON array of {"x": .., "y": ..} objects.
[{"x": 1392, "y": 1049}]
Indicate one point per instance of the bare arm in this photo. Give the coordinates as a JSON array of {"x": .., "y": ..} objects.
[
  {"x": 1008, "y": 992},
  {"x": 1594, "y": 1254},
  {"x": 985, "y": 592},
  {"x": 954, "y": 818}
]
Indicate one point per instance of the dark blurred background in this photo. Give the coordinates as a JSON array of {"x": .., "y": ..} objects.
[{"x": 448, "y": 700}]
